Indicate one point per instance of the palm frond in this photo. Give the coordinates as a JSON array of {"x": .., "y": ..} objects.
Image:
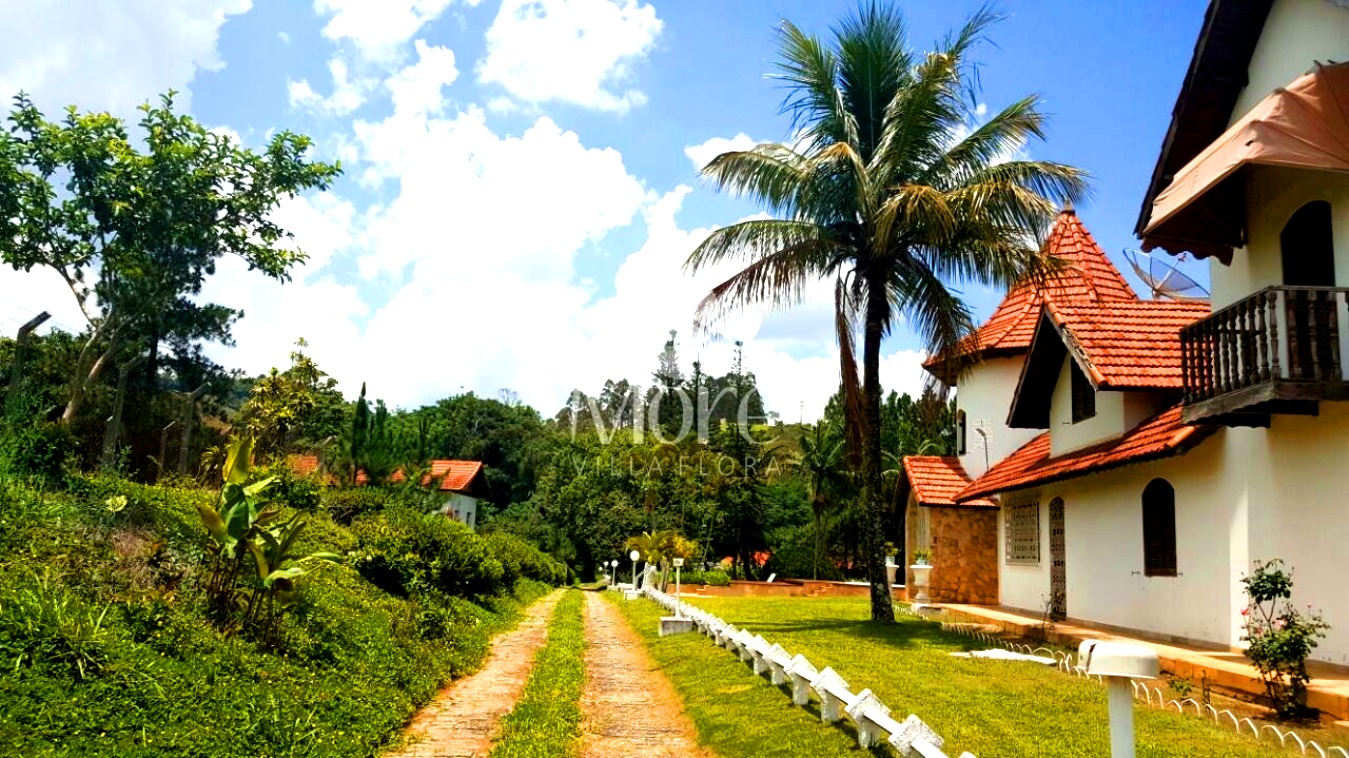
[
  {"x": 874, "y": 63},
  {"x": 810, "y": 71},
  {"x": 753, "y": 239},
  {"x": 776, "y": 279},
  {"x": 771, "y": 173},
  {"x": 845, "y": 322}
]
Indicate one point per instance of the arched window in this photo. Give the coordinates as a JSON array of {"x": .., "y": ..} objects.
[
  {"x": 1159, "y": 529},
  {"x": 960, "y": 433},
  {"x": 1308, "y": 247}
]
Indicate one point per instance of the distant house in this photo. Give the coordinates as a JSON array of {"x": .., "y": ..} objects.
[
  {"x": 1135, "y": 457},
  {"x": 464, "y": 484}
]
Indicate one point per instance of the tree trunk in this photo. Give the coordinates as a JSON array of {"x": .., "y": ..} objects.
[
  {"x": 873, "y": 500},
  {"x": 86, "y": 375}
]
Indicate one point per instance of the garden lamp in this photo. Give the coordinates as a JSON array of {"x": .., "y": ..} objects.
[
  {"x": 634, "y": 555},
  {"x": 614, "y": 565},
  {"x": 1119, "y": 663}
]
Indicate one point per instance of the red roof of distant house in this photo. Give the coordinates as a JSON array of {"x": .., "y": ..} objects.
[
  {"x": 1129, "y": 345},
  {"x": 1089, "y": 278},
  {"x": 937, "y": 479},
  {"x": 1161, "y": 436},
  {"x": 454, "y": 476},
  {"x": 303, "y": 465}
]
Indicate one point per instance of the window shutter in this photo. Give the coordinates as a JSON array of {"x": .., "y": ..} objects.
[{"x": 1084, "y": 396}]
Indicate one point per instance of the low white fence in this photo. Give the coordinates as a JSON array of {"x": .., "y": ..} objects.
[
  {"x": 911, "y": 737},
  {"x": 1151, "y": 696}
]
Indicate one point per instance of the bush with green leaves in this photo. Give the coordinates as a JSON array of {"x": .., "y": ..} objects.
[
  {"x": 345, "y": 504},
  {"x": 709, "y": 578},
  {"x": 1280, "y": 637},
  {"x": 39, "y": 451},
  {"x": 409, "y": 553}
]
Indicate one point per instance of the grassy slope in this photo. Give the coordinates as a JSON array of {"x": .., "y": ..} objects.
[
  {"x": 989, "y": 708},
  {"x": 547, "y": 719},
  {"x": 160, "y": 681}
]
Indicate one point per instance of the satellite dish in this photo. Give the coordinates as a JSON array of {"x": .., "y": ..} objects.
[{"x": 1163, "y": 278}]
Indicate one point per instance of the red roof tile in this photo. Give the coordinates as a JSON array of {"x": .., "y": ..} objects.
[
  {"x": 1134, "y": 345},
  {"x": 303, "y": 465},
  {"x": 454, "y": 476},
  {"x": 1161, "y": 436},
  {"x": 1089, "y": 277},
  {"x": 937, "y": 479}
]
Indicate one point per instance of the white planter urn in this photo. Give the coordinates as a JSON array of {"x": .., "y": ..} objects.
[{"x": 922, "y": 574}]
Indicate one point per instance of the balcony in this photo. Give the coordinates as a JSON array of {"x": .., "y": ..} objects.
[{"x": 1277, "y": 351}]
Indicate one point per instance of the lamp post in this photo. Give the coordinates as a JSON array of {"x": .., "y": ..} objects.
[
  {"x": 678, "y": 564},
  {"x": 634, "y": 555},
  {"x": 614, "y": 565}
]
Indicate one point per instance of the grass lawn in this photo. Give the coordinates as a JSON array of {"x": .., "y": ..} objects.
[
  {"x": 990, "y": 708},
  {"x": 547, "y": 719}
]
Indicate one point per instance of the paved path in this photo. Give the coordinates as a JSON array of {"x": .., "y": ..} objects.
[
  {"x": 630, "y": 710},
  {"x": 462, "y": 720}
]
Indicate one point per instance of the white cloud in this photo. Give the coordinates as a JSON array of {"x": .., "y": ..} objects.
[
  {"x": 285, "y": 38},
  {"x": 571, "y": 51},
  {"x": 109, "y": 56},
  {"x": 416, "y": 89},
  {"x": 379, "y": 28},
  {"x": 348, "y": 94},
  {"x": 702, "y": 154}
]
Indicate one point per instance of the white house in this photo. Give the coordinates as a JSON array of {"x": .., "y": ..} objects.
[
  {"x": 1157, "y": 449},
  {"x": 463, "y": 483}
]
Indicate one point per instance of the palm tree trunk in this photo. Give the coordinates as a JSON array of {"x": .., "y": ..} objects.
[{"x": 872, "y": 498}]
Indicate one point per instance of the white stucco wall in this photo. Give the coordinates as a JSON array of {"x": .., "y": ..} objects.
[
  {"x": 1297, "y": 33},
  {"x": 1243, "y": 494},
  {"x": 1272, "y": 196},
  {"x": 985, "y": 395},
  {"x": 462, "y": 508}
]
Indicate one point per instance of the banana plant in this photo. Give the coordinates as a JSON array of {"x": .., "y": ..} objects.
[{"x": 244, "y": 524}]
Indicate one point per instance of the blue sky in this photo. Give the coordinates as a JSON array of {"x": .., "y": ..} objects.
[{"x": 519, "y": 188}]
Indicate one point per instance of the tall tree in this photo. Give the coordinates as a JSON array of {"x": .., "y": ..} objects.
[
  {"x": 134, "y": 233},
  {"x": 883, "y": 195}
]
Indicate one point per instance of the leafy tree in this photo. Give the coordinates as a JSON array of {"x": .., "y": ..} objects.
[
  {"x": 820, "y": 466},
  {"x": 299, "y": 408},
  {"x": 134, "y": 233},
  {"x": 882, "y": 195}
]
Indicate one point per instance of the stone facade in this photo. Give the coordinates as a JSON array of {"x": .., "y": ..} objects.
[{"x": 963, "y": 543}]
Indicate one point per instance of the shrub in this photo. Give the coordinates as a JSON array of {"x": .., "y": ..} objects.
[
  {"x": 1280, "y": 637},
  {"x": 710, "y": 578},
  {"x": 521, "y": 559},
  {"x": 409, "y": 553},
  {"x": 346, "y": 504},
  {"x": 38, "y": 451}
]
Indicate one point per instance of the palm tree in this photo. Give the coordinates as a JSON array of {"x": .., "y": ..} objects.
[
  {"x": 892, "y": 191},
  {"x": 818, "y": 464}
]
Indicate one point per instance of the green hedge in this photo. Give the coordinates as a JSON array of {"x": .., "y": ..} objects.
[
  {"x": 106, "y": 650},
  {"x": 713, "y": 578}
]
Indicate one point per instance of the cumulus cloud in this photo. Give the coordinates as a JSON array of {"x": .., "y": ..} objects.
[
  {"x": 109, "y": 56},
  {"x": 416, "y": 89},
  {"x": 379, "y": 28},
  {"x": 348, "y": 94},
  {"x": 571, "y": 51},
  {"x": 702, "y": 154}
]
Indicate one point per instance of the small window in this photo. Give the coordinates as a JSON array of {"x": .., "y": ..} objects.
[
  {"x": 1159, "y": 529},
  {"x": 1023, "y": 533},
  {"x": 1084, "y": 395},
  {"x": 960, "y": 433}
]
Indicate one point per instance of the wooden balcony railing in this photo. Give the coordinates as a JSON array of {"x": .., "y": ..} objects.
[{"x": 1280, "y": 344}]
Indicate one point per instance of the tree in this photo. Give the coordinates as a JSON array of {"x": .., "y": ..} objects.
[
  {"x": 300, "y": 407},
  {"x": 882, "y": 195},
  {"x": 821, "y": 453},
  {"x": 135, "y": 234}
]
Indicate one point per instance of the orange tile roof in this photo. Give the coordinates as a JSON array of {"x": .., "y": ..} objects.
[
  {"x": 1161, "y": 436},
  {"x": 303, "y": 465},
  {"x": 1134, "y": 345},
  {"x": 1089, "y": 277},
  {"x": 937, "y": 479},
  {"x": 454, "y": 476}
]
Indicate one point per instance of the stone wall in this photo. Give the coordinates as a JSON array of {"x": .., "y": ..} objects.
[{"x": 964, "y": 555}]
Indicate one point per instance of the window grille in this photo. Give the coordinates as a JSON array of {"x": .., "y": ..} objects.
[{"x": 1023, "y": 533}]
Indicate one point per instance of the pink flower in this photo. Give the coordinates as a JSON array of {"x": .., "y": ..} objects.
[{"x": 1245, "y": 611}]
